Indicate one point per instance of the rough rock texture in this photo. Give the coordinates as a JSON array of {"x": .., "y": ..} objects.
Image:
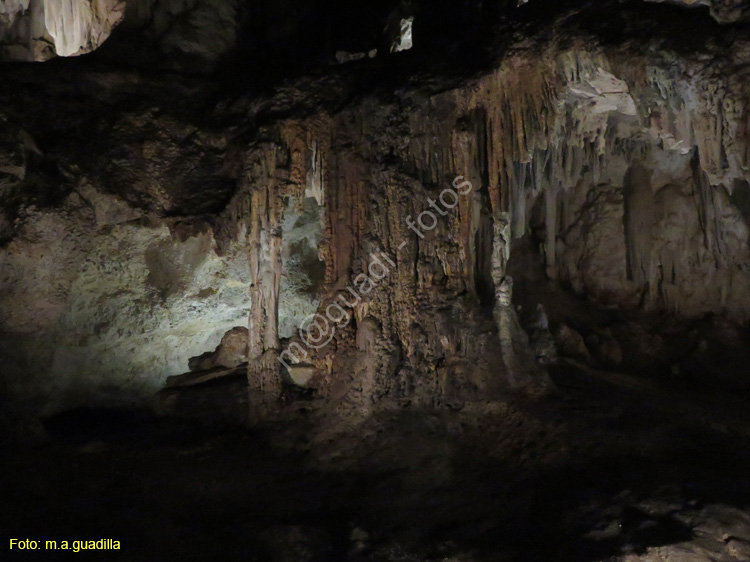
[
  {"x": 102, "y": 299},
  {"x": 102, "y": 314},
  {"x": 231, "y": 351},
  {"x": 156, "y": 215},
  {"x": 199, "y": 31},
  {"x": 571, "y": 344},
  {"x": 585, "y": 147},
  {"x": 725, "y": 11},
  {"x": 36, "y": 30},
  {"x": 484, "y": 302}
]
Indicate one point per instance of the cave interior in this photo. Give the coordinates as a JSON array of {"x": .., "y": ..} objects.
[{"x": 394, "y": 280}]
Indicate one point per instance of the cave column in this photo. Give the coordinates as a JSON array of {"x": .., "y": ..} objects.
[
  {"x": 523, "y": 370},
  {"x": 500, "y": 246},
  {"x": 264, "y": 243},
  {"x": 550, "y": 223}
]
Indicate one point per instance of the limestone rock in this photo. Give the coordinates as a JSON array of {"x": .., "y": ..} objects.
[
  {"x": 302, "y": 374},
  {"x": 398, "y": 28},
  {"x": 368, "y": 334},
  {"x": 231, "y": 351},
  {"x": 640, "y": 347},
  {"x": 605, "y": 348},
  {"x": 518, "y": 353},
  {"x": 571, "y": 344},
  {"x": 36, "y": 30},
  {"x": 738, "y": 549},
  {"x": 78, "y": 26},
  {"x": 344, "y": 57},
  {"x": 221, "y": 403},
  {"x": 12, "y": 154},
  {"x": 189, "y": 211},
  {"x": 201, "y": 31},
  {"x": 542, "y": 341},
  {"x": 103, "y": 314}
]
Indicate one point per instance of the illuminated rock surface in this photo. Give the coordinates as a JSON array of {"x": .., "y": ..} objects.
[
  {"x": 484, "y": 296},
  {"x": 137, "y": 243},
  {"x": 36, "y": 30}
]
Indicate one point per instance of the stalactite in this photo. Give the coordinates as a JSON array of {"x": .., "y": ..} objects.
[
  {"x": 704, "y": 198},
  {"x": 551, "y": 229},
  {"x": 565, "y": 129},
  {"x": 638, "y": 223},
  {"x": 264, "y": 247}
]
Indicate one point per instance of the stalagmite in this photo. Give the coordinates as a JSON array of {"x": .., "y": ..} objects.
[
  {"x": 514, "y": 341},
  {"x": 265, "y": 271},
  {"x": 638, "y": 223}
]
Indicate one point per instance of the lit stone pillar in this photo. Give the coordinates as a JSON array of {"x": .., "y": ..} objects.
[
  {"x": 80, "y": 26},
  {"x": 550, "y": 245},
  {"x": 523, "y": 370},
  {"x": 500, "y": 247},
  {"x": 264, "y": 242}
]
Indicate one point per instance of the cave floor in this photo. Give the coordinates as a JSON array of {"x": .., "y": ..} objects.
[{"x": 613, "y": 467}]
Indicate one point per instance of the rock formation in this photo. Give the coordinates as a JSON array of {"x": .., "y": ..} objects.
[
  {"x": 379, "y": 280},
  {"x": 36, "y": 30},
  {"x": 364, "y": 239}
]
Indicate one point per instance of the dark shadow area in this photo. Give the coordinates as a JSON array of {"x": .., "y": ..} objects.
[
  {"x": 741, "y": 199},
  {"x": 574, "y": 478}
]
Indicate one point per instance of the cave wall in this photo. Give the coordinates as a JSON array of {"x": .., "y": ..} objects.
[
  {"x": 98, "y": 307},
  {"x": 632, "y": 160},
  {"x": 156, "y": 232},
  {"x": 106, "y": 288}
]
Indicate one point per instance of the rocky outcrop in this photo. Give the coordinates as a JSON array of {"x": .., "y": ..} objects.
[
  {"x": 102, "y": 300},
  {"x": 231, "y": 352},
  {"x": 94, "y": 316},
  {"x": 37, "y": 30}
]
